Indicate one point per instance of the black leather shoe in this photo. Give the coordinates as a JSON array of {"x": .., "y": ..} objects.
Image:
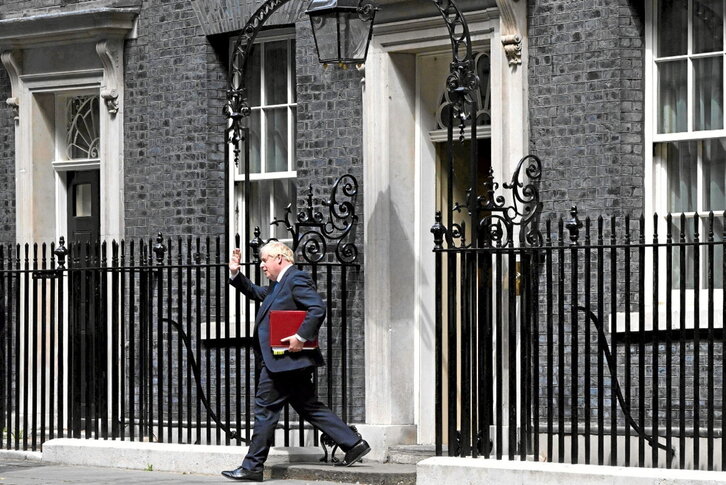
[
  {"x": 241, "y": 474},
  {"x": 355, "y": 454}
]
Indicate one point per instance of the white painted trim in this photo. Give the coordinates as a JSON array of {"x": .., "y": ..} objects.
[
  {"x": 431, "y": 33},
  {"x": 67, "y": 27},
  {"x": 382, "y": 177},
  {"x": 68, "y": 165},
  {"x": 107, "y": 80},
  {"x": 471, "y": 471},
  {"x": 234, "y": 177},
  {"x": 62, "y": 80},
  {"x": 266, "y": 176}
]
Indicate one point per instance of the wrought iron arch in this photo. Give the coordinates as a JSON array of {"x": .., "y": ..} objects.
[{"x": 461, "y": 83}]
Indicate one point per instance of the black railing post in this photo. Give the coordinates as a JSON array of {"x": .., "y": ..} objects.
[
  {"x": 628, "y": 368},
  {"x": 561, "y": 364},
  {"x": 116, "y": 361},
  {"x": 669, "y": 337},
  {"x": 573, "y": 226},
  {"x": 601, "y": 345},
  {"x": 613, "y": 325},
  {"x": 696, "y": 343},
  {"x": 710, "y": 384},
  {"x": 587, "y": 369},
  {"x": 682, "y": 269},
  {"x": 655, "y": 363},
  {"x": 160, "y": 251},
  {"x": 61, "y": 252},
  {"x": 4, "y": 348},
  {"x": 438, "y": 231},
  {"x": 550, "y": 338},
  {"x": 641, "y": 340}
]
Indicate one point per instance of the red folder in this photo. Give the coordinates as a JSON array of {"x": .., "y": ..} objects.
[{"x": 284, "y": 323}]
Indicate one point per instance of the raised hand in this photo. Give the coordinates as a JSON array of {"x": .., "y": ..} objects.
[{"x": 234, "y": 261}]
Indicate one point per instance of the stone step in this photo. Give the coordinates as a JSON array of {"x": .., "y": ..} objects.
[
  {"x": 365, "y": 473},
  {"x": 411, "y": 454}
]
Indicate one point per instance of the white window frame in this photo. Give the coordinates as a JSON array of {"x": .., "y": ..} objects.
[
  {"x": 61, "y": 163},
  {"x": 237, "y": 197},
  {"x": 656, "y": 180},
  {"x": 239, "y": 204}
]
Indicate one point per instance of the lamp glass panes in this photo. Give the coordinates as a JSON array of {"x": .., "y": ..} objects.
[{"x": 342, "y": 29}]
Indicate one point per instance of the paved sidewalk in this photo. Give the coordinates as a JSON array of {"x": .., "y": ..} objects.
[{"x": 17, "y": 471}]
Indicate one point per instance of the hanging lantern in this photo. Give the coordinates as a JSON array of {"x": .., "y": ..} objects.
[{"x": 342, "y": 29}]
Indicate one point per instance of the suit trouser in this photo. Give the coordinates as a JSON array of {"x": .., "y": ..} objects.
[{"x": 295, "y": 387}]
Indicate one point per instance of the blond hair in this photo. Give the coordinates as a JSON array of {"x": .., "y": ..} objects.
[{"x": 276, "y": 248}]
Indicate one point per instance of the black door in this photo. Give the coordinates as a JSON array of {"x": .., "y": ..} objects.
[
  {"x": 87, "y": 310},
  {"x": 84, "y": 206}
]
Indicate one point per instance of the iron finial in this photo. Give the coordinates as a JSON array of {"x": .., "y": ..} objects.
[
  {"x": 256, "y": 243},
  {"x": 61, "y": 252},
  {"x": 573, "y": 225},
  {"x": 159, "y": 248},
  {"x": 438, "y": 230}
]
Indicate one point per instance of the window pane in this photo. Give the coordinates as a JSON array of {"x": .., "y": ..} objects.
[
  {"x": 672, "y": 27},
  {"x": 293, "y": 147},
  {"x": 284, "y": 193},
  {"x": 258, "y": 206},
  {"x": 683, "y": 257},
  {"x": 709, "y": 93},
  {"x": 276, "y": 159},
  {"x": 680, "y": 158},
  {"x": 276, "y": 72},
  {"x": 718, "y": 231},
  {"x": 714, "y": 175},
  {"x": 672, "y": 97},
  {"x": 253, "y": 122},
  {"x": 252, "y": 76},
  {"x": 717, "y": 266},
  {"x": 83, "y": 127},
  {"x": 82, "y": 206},
  {"x": 707, "y": 25},
  {"x": 268, "y": 199},
  {"x": 293, "y": 70}
]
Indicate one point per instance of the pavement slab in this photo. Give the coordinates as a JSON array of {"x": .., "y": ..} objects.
[{"x": 29, "y": 472}]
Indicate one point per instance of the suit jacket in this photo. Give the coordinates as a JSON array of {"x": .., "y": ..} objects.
[{"x": 296, "y": 291}]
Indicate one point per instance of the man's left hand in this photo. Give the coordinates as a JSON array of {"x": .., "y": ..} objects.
[{"x": 295, "y": 344}]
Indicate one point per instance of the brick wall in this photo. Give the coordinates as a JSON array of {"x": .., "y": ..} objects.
[
  {"x": 586, "y": 95},
  {"x": 174, "y": 144},
  {"x": 586, "y": 104},
  {"x": 172, "y": 168},
  {"x": 329, "y": 145}
]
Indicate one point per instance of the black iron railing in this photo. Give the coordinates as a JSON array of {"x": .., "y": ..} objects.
[
  {"x": 146, "y": 340},
  {"x": 598, "y": 341},
  {"x": 143, "y": 341}
]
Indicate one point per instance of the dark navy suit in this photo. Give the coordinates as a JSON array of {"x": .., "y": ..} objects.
[{"x": 288, "y": 377}]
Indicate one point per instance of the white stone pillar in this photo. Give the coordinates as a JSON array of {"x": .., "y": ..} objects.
[{"x": 389, "y": 177}]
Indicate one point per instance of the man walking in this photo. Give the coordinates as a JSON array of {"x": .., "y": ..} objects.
[{"x": 288, "y": 377}]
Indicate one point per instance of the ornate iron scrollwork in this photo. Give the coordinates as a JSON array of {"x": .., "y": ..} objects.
[
  {"x": 462, "y": 83},
  {"x": 313, "y": 233},
  {"x": 495, "y": 221},
  {"x": 237, "y": 107}
]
